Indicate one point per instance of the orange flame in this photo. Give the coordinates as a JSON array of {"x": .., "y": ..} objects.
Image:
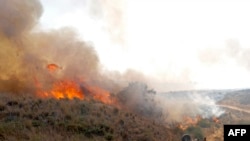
[
  {"x": 189, "y": 121},
  {"x": 71, "y": 89},
  {"x": 100, "y": 94},
  {"x": 52, "y": 67},
  {"x": 66, "y": 89}
]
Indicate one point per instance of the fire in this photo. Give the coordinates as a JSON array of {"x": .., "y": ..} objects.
[
  {"x": 66, "y": 89},
  {"x": 100, "y": 94},
  {"x": 52, "y": 67},
  {"x": 71, "y": 89},
  {"x": 189, "y": 121}
]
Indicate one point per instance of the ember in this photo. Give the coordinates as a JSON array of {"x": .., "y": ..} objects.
[{"x": 53, "y": 67}]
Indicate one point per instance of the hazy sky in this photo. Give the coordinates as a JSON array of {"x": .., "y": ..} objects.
[{"x": 198, "y": 42}]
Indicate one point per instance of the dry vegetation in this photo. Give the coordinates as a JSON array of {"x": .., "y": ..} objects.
[
  {"x": 240, "y": 98},
  {"x": 29, "y": 118},
  {"x": 24, "y": 117}
]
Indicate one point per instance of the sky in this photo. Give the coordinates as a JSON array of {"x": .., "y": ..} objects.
[{"x": 203, "y": 44}]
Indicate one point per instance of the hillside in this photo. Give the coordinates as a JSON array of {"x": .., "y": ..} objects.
[
  {"x": 26, "y": 117},
  {"x": 239, "y": 98},
  {"x": 29, "y": 118}
]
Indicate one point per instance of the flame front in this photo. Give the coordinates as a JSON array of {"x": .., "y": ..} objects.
[
  {"x": 100, "y": 94},
  {"x": 65, "y": 89},
  {"x": 189, "y": 121},
  {"x": 71, "y": 89}
]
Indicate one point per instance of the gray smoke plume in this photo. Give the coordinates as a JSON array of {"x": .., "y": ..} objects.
[
  {"x": 179, "y": 104},
  {"x": 18, "y": 16},
  {"x": 26, "y": 54}
]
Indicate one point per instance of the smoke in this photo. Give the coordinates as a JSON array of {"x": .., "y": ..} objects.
[
  {"x": 207, "y": 105},
  {"x": 177, "y": 105},
  {"x": 232, "y": 51},
  {"x": 112, "y": 12},
  {"x": 169, "y": 107},
  {"x": 18, "y": 16},
  {"x": 26, "y": 53}
]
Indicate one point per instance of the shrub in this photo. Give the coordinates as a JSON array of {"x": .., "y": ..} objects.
[
  {"x": 2, "y": 108},
  {"x": 115, "y": 111},
  {"x": 195, "y": 131},
  {"x": 109, "y": 137},
  {"x": 204, "y": 123},
  {"x": 144, "y": 104}
]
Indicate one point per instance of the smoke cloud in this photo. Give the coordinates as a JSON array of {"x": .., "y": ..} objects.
[
  {"x": 112, "y": 12},
  {"x": 33, "y": 59},
  {"x": 171, "y": 106},
  {"x": 18, "y": 16},
  {"x": 232, "y": 50},
  {"x": 25, "y": 53},
  {"x": 188, "y": 103}
]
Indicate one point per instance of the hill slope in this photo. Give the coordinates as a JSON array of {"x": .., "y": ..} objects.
[
  {"x": 27, "y": 118},
  {"x": 240, "y": 98}
]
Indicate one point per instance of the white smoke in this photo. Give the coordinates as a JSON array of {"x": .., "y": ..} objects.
[
  {"x": 206, "y": 106},
  {"x": 175, "y": 105}
]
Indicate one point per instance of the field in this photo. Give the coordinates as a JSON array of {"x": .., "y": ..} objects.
[
  {"x": 30, "y": 118},
  {"x": 27, "y": 117}
]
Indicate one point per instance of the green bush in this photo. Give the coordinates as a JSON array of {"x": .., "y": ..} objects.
[
  {"x": 195, "y": 131},
  {"x": 204, "y": 123}
]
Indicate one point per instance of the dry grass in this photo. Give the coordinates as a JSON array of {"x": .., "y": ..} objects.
[{"x": 29, "y": 118}]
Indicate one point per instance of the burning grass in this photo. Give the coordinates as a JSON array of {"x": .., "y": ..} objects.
[
  {"x": 64, "y": 89},
  {"x": 69, "y": 99}
]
